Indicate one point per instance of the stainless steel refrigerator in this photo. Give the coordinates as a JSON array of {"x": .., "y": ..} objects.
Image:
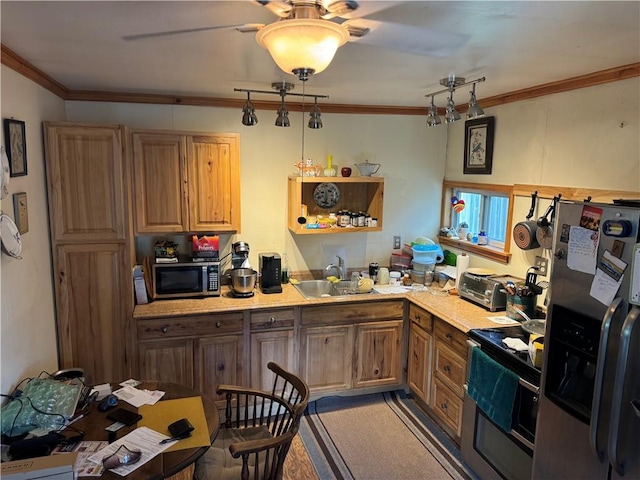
[{"x": 588, "y": 419}]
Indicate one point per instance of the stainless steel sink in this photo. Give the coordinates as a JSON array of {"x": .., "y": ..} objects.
[{"x": 325, "y": 288}]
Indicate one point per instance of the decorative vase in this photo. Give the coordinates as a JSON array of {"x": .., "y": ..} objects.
[
  {"x": 345, "y": 171},
  {"x": 329, "y": 172}
]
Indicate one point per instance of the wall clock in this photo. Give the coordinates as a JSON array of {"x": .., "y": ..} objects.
[{"x": 326, "y": 195}]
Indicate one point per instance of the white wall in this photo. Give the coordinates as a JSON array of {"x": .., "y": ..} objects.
[
  {"x": 585, "y": 138},
  {"x": 412, "y": 159},
  {"x": 27, "y": 329}
]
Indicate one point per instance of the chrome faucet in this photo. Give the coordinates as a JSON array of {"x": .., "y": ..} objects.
[{"x": 339, "y": 268}]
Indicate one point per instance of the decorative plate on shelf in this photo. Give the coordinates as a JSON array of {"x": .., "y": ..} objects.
[{"x": 326, "y": 195}]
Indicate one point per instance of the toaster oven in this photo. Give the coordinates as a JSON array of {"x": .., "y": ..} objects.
[{"x": 486, "y": 291}]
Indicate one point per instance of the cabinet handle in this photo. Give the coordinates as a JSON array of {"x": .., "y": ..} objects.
[
  {"x": 272, "y": 320},
  {"x": 218, "y": 324},
  {"x": 447, "y": 368},
  {"x": 164, "y": 329},
  {"x": 449, "y": 336},
  {"x": 444, "y": 406},
  {"x": 417, "y": 317}
]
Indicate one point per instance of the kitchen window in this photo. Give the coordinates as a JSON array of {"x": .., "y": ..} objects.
[{"x": 487, "y": 208}]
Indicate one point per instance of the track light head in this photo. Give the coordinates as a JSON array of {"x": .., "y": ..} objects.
[
  {"x": 433, "y": 118},
  {"x": 249, "y": 117},
  {"x": 474, "y": 110},
  {"x": 315, "y": 121},
  {"x": 452, "y": 114}
]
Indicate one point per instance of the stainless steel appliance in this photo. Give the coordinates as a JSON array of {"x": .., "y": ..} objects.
[
  {"x": 486, "y": 291},
  {"x": 587, "y": 425},
  {"x": 490, "y": 451},
  {"x": 270, "y": 273},
  {"x": 186, "y": 279}
]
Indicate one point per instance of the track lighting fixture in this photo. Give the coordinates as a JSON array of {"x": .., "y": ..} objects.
[
  {"x": 283, "y": 89},
  {"x": 249, "y": 113},
  {"x": 451, "y": 114},
  {"x": 315, "y": 121}
]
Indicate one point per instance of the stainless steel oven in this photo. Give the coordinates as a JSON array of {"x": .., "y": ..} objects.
[{"x": 491, "y": 452}]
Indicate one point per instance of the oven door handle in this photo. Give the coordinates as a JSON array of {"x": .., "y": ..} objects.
[
  {"x": 529, "y": 386},
  {"x": 607, "y": 320},
  {"x": 526, "y": 442}
]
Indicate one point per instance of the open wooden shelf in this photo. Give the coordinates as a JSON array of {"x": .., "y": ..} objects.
[{"x": 356, "y": 194}]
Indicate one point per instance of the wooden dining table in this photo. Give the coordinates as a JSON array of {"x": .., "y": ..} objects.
[{"x": 175, "y": 465}]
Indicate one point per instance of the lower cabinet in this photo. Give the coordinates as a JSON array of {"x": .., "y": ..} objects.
[
  {"x": 219, "y": 360},
  {"x": 449, "y": 375},
  {"x": 200, "y": 351},
  {"x": 272, "y": 340},
  {"x": 326, "y": 357},
  {"x": 348, "y": 346},
  {"x": 419, "y": 355}
]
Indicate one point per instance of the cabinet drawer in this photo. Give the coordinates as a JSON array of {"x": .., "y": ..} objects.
[
  {"x": 452, "y": 337},
  {"x": 352, "y": 312},
  {"x": 421, "y": 317},
  {"x": 447, "y": 406},
  {"x": 268, "y": 319},
  {"x": 189, "y": 326},
  {"x": 450, "y": 368}
]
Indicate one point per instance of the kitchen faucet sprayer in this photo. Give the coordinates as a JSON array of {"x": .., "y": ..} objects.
[{"x": 339, "y": 268}]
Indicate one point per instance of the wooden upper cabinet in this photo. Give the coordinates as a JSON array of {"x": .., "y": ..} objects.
[
  {"x": 86, "y": 181},
  {"x": 160, "y": 178},
  {"x": 186, "y": 182}
]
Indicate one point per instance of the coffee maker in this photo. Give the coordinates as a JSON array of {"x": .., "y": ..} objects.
[{"x": 270, "y": 273}]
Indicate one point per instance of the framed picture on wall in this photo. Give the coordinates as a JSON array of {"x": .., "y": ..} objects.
[
  {"x": 16, "y": 146},
  {"x": 478, "y": 145}
]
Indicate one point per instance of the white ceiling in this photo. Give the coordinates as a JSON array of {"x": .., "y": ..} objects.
[{"x": 515, "y": 44}]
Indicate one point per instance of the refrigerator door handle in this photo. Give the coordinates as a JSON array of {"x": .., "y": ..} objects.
[
  {"x": 620, "y": 464},
  {"x": 599, "y": 450}
]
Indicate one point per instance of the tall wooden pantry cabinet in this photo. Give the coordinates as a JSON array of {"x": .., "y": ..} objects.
[{"x": 88, "y": 185}]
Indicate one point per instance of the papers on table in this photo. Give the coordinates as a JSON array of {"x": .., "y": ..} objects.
[
  {"x": 143, "y": 439},
  {"x": 136, "y": 397},
  {"x": 83, "y": 466}
]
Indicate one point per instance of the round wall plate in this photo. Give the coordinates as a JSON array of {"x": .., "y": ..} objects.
[
  {"x": 11, "y": 241},
  {"x": 326, "y": 195}
]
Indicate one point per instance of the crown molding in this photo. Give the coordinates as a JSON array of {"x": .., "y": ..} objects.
[{"x": 12, "y": 60}]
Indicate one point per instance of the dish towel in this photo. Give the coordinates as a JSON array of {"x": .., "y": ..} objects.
[{"x": 493, "y": 388}]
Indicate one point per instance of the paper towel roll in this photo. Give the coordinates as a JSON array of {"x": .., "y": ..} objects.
[{"x": 462, "y": 263}]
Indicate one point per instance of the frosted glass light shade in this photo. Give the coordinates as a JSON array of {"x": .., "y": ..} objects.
[{"x": 302, "y": 44}]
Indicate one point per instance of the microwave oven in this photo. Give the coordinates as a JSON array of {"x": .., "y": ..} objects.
[{"x": 186, "y": 279}]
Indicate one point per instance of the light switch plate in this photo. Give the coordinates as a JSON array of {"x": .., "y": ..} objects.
[
  {"x": 542, "y": 264},
  {"x": 21, "y": 212},
  {"x": 396, "y": 242}
]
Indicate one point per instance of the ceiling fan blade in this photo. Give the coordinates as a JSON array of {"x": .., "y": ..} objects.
[
  {"x": 364, "y": 8},
  {"x": 279, "y": 8},
  {"x": 241, "y": 27},
  {"x": 405, "y": 38}
]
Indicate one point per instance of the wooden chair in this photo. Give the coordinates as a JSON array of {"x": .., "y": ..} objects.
[{"x": 258, "y": 430}]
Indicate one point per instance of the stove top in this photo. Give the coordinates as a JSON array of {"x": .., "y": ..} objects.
[{"x": 490, "y": 340}]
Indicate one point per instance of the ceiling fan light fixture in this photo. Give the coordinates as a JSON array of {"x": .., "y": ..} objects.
[{"x": 302, "y": 46}]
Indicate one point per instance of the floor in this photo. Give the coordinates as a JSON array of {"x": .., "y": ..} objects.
[{"x": 298, "y": 464}]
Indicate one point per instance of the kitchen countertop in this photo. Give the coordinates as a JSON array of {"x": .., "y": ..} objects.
[{"x": 460, "y": 313}]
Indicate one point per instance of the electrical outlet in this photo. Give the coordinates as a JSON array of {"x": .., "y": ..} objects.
[
  {"x": 396, "y": 242},
  {"x": 542, "y": 264}
]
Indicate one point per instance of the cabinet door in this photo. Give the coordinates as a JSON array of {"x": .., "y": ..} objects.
[
  {"x": 271, "y": 346},
  {"x": 167, "y": 361},
  {"x": 219, "y": 360},
  {"x": 378, "y": 353},
  {"x": 418, "y": 361},
  {"x": 160, "y": 182},
  {"x": 326, "y": 355},
  {"x": 87, "y": 181},
  {"x": 91, "y": 291},
  {"x": 214, "y": 183}
]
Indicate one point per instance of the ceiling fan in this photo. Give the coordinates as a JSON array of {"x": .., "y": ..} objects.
[{"x": 353, "y": 16}]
